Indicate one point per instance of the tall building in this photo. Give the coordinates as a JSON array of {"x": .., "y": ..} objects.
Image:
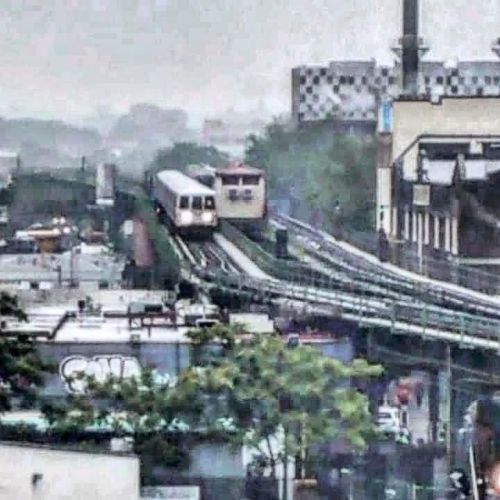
[{"x": 355, "y": 90}]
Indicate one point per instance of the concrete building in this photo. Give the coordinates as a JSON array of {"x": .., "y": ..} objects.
[
  {"x": 33, "y": 471},
  {"x": 437, "y": 192}
]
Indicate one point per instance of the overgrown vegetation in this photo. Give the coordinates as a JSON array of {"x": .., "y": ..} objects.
[
  {"x": 21, "y": 368},
  {"x": 245, "y": 390},
  {"x": 329, "y": 179},
  {"x": 185, "y": 153},
  {"x": 167, "y": 265}
]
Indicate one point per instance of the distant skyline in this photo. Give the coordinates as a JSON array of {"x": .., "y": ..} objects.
[{"x": 66, "y": 58}]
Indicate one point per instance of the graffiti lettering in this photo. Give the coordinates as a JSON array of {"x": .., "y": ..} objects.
[{"x": 100, "y": 366}]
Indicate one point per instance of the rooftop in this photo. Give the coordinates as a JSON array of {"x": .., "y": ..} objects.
[
  {"x": 182, "y": 184},
  {"x": 238, "y": 168}
]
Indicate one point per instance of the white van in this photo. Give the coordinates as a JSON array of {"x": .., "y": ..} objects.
[{"x": 389, "y": 419}]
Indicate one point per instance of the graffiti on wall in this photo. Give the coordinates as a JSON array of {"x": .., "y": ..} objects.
[{"x": 99, "y": 366}]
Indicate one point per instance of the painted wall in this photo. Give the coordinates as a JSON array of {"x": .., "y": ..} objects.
[
  {"x": 101, "y": 359},
  {"x": 65, "y": 474}
]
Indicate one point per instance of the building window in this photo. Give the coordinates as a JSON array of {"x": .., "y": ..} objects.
[
  {"x": 309, "y": 89},
  {"x": 233, "y": 194},
  {"x": 351, "y": 80},
  {"x": 316, "y": 80},
  {"x": 184, "y": 202},
  {"x": 487, "y": 80},
  {"x": 364, "y": 80},
  {"x": 247, "y": 194},
  {"x": 329, "y": 80},
  {"x": 440, "y": 80},
  {"x": 302, "y": 98},
  {"x": 322, "y": 71},
  {"x": 474, "y": 79},
  {"x": 303, "y": 80},
  {"x": 454, "y": 89}
]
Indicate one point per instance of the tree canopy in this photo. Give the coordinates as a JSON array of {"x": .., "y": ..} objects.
[
  {"x": 250, "y": 390},
  {"x": 185, "y": 153},
  {"x": 315, "y": 169},
  {"x": 262, "y": 389},
  {"x": 21, "y": 369}
]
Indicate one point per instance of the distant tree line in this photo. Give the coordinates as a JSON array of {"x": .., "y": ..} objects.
[{"x": 328, "y": 178}]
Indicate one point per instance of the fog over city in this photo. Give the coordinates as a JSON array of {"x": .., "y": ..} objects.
[{"x": 66, "y": 58}]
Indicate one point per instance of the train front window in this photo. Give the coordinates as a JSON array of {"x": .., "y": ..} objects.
[
  {"x": 230, "y": 180},
  {"x": 184, "y": 202},
  {"x": 251, "y": 180},
  {"x": 209, "y": 203},
  {"x": 197, "y": 203}
]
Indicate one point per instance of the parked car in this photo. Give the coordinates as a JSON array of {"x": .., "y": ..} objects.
[{"x": 389, "y": 419}]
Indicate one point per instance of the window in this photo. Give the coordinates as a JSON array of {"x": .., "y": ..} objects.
[
  {"x": 184, "y": 202},
  {"x": 209, "y": 202},
  {"x": 230, "y": 180},
  {"x": 316, "y": 80},
  {"x": 251, "y": 180},
  {"x": 247, "y": 194},
  {"x": 233, "y": 194},
  {"x": 197, "y": 203}
]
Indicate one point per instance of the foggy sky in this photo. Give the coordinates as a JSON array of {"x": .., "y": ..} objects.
[{"x": 64, "y": 58}]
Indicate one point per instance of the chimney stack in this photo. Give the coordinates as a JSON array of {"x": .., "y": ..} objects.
[{"x": 410, "y": 47}]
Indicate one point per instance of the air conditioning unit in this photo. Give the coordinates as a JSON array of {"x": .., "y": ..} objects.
[{"x": 135, "y": 338}]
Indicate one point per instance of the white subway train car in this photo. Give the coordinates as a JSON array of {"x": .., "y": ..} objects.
[{"x": 187, "y": 206}]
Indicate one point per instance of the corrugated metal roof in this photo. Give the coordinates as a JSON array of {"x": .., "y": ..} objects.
[
  {"x": 439, "y": 171},
  {"x": 182, "y": 184}
]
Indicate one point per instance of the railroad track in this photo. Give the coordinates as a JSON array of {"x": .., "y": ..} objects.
[{"x": 323, "y": 247}]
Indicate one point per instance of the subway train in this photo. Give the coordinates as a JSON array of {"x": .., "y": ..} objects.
[
  {"x": 240, "y": 193},
  {"x": 184, "y": 204}
]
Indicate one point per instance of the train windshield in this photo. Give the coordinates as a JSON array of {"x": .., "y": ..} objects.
[
  {"x": 209, "y": 202},
  {"x": 251, "y": 180},
  {"x": 197, "y": 203},
  {"x": 184, "y": 202}
]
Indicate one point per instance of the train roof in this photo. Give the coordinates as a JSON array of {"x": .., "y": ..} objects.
[
  {"x": 182, "y": 184},
  {"x": 239, "y": 168}
]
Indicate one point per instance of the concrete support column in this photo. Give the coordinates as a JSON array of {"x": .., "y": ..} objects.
[
  {"x": 407, "y": 225},
  {"x": 394, "y": 228},
  {"x": 447, "y": 234},
  {"x": 414, "y": 233},
  {"x": 426, "y": 228},
  {"x": 454, "y": 236},
  {"x": 437, "y": 243}
]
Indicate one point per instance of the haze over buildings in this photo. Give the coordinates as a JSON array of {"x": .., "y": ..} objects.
[{"x": 204, "y": 55}]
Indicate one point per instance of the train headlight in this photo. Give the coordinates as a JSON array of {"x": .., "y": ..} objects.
[
  {"x": 207, "y": 217},
  {"x": 186, "y": 217}
]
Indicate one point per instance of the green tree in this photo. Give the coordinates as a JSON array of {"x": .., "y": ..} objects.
[
  {"x": 140, "y": 407},
  {"x": 185, "y": 153},
  {"x": 259, "y": 389},
  {"x": 21, "y": 368},
  {"x": 314, "y": 168}
]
